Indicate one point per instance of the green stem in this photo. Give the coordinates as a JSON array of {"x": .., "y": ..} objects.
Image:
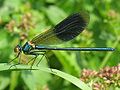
[{"x": 105, "y": 60}]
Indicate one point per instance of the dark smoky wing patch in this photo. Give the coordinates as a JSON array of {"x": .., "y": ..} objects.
[{"x": 70, "y": 27}]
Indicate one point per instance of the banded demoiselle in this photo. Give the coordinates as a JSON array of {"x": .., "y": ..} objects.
[{"x": 64, "y": 31}]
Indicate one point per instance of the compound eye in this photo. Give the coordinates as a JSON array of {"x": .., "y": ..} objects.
[{"x": 17, "y": 49}]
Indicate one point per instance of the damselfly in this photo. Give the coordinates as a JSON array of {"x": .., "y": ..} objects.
[{"x": 64, "y": 31}]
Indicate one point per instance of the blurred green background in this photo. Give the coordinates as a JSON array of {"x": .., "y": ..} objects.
[{"x": 23, "y": 19}]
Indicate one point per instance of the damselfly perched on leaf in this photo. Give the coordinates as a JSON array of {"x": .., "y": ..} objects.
[{"x": 64, "y": 31}]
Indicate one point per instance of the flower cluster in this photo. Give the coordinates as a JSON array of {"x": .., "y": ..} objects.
[
  {"x": 21, "y": 28},
  {"x": 106, "y": 77}
]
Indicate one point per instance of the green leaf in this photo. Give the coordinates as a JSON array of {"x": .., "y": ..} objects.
[
  {"x": 4, "y": 82},
  {"x": 29, "y": 80},
  {"x": 68, "y": 77},
  {"x": 14, "y": 80}
]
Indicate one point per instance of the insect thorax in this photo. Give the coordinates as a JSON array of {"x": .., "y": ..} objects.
[{"x": 27, "y": 47}]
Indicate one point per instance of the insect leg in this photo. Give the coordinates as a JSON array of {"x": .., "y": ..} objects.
[
  {"x": 15, "y": 57},
  {"x": 41, "y": 58},
  {"x": 43, "y": 54},
  {"x": 35, "y": 53},
  {"x": 18, "y": 56},
  {"x": 48, "y": 62},
  {"x": 33, "y": 61}
]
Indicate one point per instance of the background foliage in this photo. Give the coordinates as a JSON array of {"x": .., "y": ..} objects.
[{"x": 23, "y": 19}]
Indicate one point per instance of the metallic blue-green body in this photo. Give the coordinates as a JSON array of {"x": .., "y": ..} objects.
[{"x": 27, "y": 48}]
